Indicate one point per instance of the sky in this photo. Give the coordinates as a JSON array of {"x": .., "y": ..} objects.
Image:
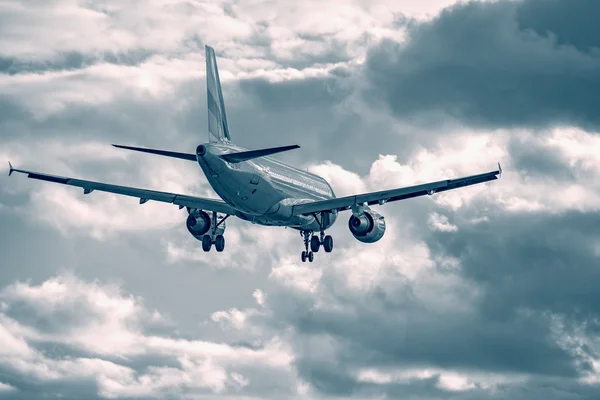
[{"x": 486, "y": 292}]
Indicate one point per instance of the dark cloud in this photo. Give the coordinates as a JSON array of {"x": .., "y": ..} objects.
[
  {"x": 378, "y": 336},
  {"x": 58, "y": 322},
  {"x": 534, "y": 161},
  {"x": 28, "y": 389},
  {"x": 322, "y": 115},
  {"x": 549, "y": 18},
  {"x": 494, "y": 64},
  {"x": 528, "y": 268},
  {"x": 533, "y": 261},
  {"x": 487, "y": 64},
  {"x": 294, "y": 94},
  {"x": 70, "y": 61}
]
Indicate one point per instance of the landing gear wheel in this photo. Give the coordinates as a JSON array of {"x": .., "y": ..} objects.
[
  {"x": 315, "y": 243},
  {"x": 206, "y": 243},
  {"x": 220, "y": 243},
  {"x": 303, "y": 256},
  {"x": 328, "y": 244},
  {"x": 311, "y": 256}
]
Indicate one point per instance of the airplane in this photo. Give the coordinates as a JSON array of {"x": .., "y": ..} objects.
[{"x": 257, "y": 188}]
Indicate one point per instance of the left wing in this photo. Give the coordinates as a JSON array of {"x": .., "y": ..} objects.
[
  {"x": 143, "y": 194},
  {"x": 345, "y": 203}
]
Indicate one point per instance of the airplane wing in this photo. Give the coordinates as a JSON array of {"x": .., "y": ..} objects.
[
  {"x": 345, "y": 203},
  {"x": 143, "y": 194}
]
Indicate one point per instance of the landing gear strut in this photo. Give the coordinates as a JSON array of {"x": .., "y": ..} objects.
[
  {"x": 218, "y": 240},
  {"x": 316, "y": 241}
]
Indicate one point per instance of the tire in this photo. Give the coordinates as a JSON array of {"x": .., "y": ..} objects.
[
  {"x": 315, "y": 243},
  {"x": 328, "y": 243},
  {"x": 303, "y": 256},
  {"x": 220, "y": 243},
  {"x": 311, "y": 256},
  {"x": 206, "y": 243}
]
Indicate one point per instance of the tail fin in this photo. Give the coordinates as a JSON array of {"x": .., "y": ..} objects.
[{"x": 217, "y": 119}]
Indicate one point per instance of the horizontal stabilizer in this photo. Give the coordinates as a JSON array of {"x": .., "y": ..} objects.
[
  {"x": 249, "y": 155},
  {"x": 183, "y": 156}
]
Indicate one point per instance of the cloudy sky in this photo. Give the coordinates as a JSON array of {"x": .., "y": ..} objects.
[{"x": 488, "y": 292}]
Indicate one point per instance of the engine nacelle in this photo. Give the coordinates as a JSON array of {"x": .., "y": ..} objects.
[
  {"x": 198, "y": 223},
  {"x": 367, "y": 227}
]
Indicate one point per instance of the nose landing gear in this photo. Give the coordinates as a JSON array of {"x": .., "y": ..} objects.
[{"x": 307, "y": 255}]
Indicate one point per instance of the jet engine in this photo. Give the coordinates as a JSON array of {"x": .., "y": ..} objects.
[
  {"x": 198, "y": 223},
  {"x": 367, "y": 226}
]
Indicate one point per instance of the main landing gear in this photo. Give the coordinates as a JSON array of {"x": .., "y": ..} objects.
[
  {"x": 216, "y": 235},
  {"x": 315, "y": 243},
  {"x": 219, "y": 242}
]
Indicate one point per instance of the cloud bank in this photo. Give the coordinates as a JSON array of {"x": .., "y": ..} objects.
[{"x": 487, "y": 292}]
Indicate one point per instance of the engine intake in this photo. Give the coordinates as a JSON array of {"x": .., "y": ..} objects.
[
  {"x": 367, "y": 227},
  {"x": 198, "y": 224}
]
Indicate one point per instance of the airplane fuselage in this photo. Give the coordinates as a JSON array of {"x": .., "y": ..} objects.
[{"x": 264, "y": 190}]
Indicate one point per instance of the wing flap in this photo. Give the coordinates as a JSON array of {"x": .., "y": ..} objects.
[
  {"x": 384, "y": 196},
  {"x": 143, "y": 194}
]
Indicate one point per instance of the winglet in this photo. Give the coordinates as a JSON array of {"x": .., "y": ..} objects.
[
  {"x": 499, "y": 171},
  {"x": 10, "y": 169}
]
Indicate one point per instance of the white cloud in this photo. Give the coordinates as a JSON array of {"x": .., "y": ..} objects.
[
  {"x": 579, "y": 148},
  {"x": 441, "y": 223},
  {"x": 466, "y": 154},
  {"x": 157, "y": 79},
  {"x": 63, "y": 26},
  {"x": 399, "y": 267},
  {"x": 161, "y": 40},
  {"x": 112, "y": 26},
  {"x": 446, "y": 379},
  {"x": 111, "y": 333},
  {"x": 100, "y": 214},
  {"x": 582, "y": 344},
  {"x": 549, "y": 193},
  {"x": 106, "y": 323},
  {"x": 234, "y": 317},
  {"x": 344, "y": 182},
  {"x": 269, "y": 245},
  {"x": 302, "y": 277},
  {"x": 259, "y": 296},
  {"x": 5, "y": 387}
]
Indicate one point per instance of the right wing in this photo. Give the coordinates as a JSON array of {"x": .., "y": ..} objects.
[
  {"x": 143, "y": 194},
  {"x": 384, "y": 196}
]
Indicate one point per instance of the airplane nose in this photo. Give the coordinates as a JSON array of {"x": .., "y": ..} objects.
[{"x": 200, "y": 150}]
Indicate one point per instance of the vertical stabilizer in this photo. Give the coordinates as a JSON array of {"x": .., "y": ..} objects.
[{"x": 217, "y": 119}]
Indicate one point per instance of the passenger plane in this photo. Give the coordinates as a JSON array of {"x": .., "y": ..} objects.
[{"x": 262, "y": 190}]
